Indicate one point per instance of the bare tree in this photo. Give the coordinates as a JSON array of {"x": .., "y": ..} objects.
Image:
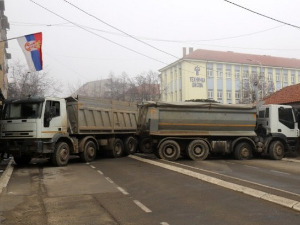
[{"x": 22, "y": 83}]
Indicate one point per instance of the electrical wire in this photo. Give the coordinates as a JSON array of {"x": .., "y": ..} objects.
[
  {"x": 260, "y": 14},
  {"x": 77, "y": 25}
]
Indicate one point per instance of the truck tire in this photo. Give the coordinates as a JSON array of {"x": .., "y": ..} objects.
[
  {"x": 146, "y": 146},
  {"x": 61, "y": 154},
  {"x": 169, "y": 150},
  {"x": 276, "y": 150},
  {"x": 130, "y": 145},
  {"x": 117, "y": 149},
  {"x": 89, "y": 152},
  {"x": 22, "y": 160},
  {"x": 243, "y": 151},
  {"x": 197, "y": 150}
]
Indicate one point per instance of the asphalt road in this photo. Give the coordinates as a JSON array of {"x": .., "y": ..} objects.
[{"x": 131, "y": 191}]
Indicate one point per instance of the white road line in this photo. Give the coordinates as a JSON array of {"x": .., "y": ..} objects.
[
  {"x": 5, "y": 177},
  {"x": 253, "y": 167},
  {"x": 109, "y": 180},
  {"x": 292, "y": 204},
  {"x": 142, "y": 206},
  {"x": 275, "y": 171},
  {"x": 92, "y": 167},
  {"x": 123, "y": 191},
  {"x": 164, "y": 223},
  {"x": 99, "y": 171},
  {"x": 87, "y": 163},
  {"x": 235, "y": 178}
]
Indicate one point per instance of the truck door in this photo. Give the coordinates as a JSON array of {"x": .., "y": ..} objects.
[
  {"x": 286, "y": 122},
  {"x": 52, "y": 122}
]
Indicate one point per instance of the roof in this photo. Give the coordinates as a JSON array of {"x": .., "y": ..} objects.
[
  {"x": 290, "y": 94},
  {"x": 242, "y": 58}
]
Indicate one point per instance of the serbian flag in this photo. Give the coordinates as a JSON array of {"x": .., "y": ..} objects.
[{"x": 32, "y": 47}]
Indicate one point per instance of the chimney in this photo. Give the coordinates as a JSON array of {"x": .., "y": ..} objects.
[
  {"x": 190, "y": 50},
  {"x": 184, "y": 51}
]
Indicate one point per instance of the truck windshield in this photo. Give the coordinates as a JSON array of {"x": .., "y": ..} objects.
[{"x": 26, "y": 110}]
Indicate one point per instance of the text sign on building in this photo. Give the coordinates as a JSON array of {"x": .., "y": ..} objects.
[{"x": 197, "y": 81}]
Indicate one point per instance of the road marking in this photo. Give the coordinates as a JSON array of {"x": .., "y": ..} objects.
[
  {"x": 164, "y": 223},
  {"x": 275, "y": 171},
  {"x": 92, "y": 167},
  {"x": 5, "y": 177},
  {"x": 87, "y": 163},
  {"x": 109, "y": 180},
  {"x": 123, "y": 191},
  {"x": 99, "y": 171},
  {"x": 253, "y": 167},
  {"x": 235, "y": 187},
  {"x": 142, "y": 206},
  {"x": 235, "y": 178}
]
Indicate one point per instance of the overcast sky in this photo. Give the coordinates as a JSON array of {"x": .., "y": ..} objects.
[{"x": 74, "y": 55}]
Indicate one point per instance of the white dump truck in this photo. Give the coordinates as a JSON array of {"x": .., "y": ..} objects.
[
  {"x": 196, "y": 130},
  {"x": 56, "y": 128}
]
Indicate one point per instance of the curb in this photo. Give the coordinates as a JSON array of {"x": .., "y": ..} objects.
[
  {"x": 291, "y": 160},
  {"x": 4, "y": 179},
  {"x": 289, "y": 203}
]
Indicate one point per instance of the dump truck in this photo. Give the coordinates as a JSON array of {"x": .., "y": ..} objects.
[
  {"x": 56, "y": 128},
  {"x": 195, "y": 130}
]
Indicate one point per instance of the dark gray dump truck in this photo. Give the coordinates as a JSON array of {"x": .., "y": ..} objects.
[{"x": 196, "y": 130}]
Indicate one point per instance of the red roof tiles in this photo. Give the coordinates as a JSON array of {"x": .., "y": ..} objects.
[
  {"x": 243, "y": 58},
  {"x": 290, "y": 94}
]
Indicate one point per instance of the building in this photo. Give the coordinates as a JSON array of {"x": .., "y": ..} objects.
[
  {"x": 4, "y": 56},
  {"x": 226, "y": 77}
]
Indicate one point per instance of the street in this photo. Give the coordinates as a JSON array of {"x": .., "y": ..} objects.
[{"x": 141, "y": 189}]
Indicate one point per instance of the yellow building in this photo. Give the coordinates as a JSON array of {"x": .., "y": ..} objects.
[
  {"x": 226, "y": 77},
  {"x": 4, "y": 56}
]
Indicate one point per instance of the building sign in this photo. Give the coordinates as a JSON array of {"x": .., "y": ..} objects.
[
  {"x": 197, "y": 70},
  {"x": 197, "y": 81}
]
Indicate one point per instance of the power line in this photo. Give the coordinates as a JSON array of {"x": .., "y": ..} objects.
[
  {"x": 260, "y": 14},
  {"x": 129, "y": 35},
  {"x": 77, "y": 25},
  {"x": 150, "y": 38}
]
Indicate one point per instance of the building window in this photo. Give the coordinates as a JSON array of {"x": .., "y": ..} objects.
[
  {"x": 277, "y": 77},
  {"x": 237, "y": 75},
  {"x": 228, "y": 74},
  {"x": 293, "y": 79},
  {"x": 210, "y": 94},
  {"x": 210, "y": 73},
  {"x": 219, "y": 74},
  {"x": 285, "y": 78},
  {"x": 228, "y": 95},
  {"x": 237, "y": 95},
  {"x": 220, "y": 94},
  {"x": 245, "y": 75},
  {"x": 270, "y": 76}
]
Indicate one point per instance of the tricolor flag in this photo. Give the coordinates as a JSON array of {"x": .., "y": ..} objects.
[{"x": 32, "y": 47}]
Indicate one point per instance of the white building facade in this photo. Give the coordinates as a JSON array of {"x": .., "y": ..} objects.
[{"x": 226, "y": 77}]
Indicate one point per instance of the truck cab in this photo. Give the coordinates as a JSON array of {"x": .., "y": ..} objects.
[{"x": 29, "y": 125}]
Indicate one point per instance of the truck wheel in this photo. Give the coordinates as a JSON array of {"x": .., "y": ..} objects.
[
  {"x": 22, "y": 159},
  {"x": 169, "y": 150},
  {"x": 89, "y": 153},
  {"x": 130, "y": 145},
  {"x": 117, "y": 150},
  {"x": 146, "y": 145},
  {"x": 198, "y": 150},
  {"x": 243, "y": 151},
  {"x": 61, "y": 154},
  {"x": 276, "y": 150}
]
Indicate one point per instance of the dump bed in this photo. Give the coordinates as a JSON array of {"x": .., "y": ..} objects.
[
  {"x": 87, "y": 115},
  {"x": 196, "y": 119}
]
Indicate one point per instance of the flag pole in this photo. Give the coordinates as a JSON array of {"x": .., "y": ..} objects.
[{"x": 9, "y": 39}]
